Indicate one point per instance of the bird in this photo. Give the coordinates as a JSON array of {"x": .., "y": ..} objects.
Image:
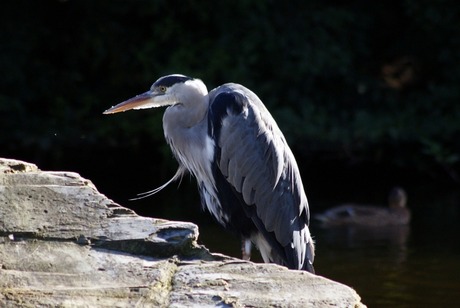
[
  {"x": 247, "y": 176},
  {"x": 396, "y": 213}
]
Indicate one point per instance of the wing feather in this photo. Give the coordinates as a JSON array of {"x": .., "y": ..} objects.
[{"x": 254, "y": 158}]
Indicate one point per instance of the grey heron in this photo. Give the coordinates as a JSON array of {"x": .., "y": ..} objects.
[{"x": 248, "y": 178}]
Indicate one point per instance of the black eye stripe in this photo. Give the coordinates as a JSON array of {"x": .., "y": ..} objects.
[{"x": 170, "y": 80}]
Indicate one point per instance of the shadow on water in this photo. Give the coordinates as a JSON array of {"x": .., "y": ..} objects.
[{"x": 368, "y": 260}]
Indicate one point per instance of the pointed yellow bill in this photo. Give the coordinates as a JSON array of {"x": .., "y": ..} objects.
[{"x": 140, "y": 101}]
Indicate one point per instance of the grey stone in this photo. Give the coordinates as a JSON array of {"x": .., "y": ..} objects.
[{"x": 63, "y": 244}]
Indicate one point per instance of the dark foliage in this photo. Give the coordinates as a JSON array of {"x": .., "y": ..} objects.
[{"x": 354, "y": 82}]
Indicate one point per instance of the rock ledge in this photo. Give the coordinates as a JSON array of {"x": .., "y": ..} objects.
[{"x": 62, "y": 243}]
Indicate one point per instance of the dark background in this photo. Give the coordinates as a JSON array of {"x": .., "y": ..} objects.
[{"x": 367, "y": 93}]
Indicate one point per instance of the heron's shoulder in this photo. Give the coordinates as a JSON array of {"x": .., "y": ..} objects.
[
  {"x": 230, "y": 87},
  {"x": 236, "y": 96},
  {"x": 228, "y": 102}
]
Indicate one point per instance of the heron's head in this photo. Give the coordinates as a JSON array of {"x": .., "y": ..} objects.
[{"x": 166, "y": 91}]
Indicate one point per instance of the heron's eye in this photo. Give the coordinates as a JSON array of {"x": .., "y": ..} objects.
[{"x": 162, "y": 89}]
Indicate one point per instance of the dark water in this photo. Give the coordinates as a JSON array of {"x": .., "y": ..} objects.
[{"x": 414, "y": 266}]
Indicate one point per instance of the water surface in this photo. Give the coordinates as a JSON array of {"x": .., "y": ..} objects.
[{"x": 413, "y": 266}]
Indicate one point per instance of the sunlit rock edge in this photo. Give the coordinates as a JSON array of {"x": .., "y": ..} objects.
[{"x": 62, "y": 243}]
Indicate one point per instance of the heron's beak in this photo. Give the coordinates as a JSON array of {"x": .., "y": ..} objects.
[{"x": 140, "y": 101}]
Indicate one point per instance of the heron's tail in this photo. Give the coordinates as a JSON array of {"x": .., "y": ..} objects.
[{"x": 179, "y": 173}]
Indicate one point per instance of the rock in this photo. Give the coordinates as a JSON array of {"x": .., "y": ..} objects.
[{"x": 62, "y": 243}]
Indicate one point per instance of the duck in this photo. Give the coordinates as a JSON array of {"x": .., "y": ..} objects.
[{"x": 395, "y": 214}]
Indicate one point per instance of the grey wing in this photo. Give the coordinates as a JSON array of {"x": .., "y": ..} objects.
[{"x": 253, "y": 156}]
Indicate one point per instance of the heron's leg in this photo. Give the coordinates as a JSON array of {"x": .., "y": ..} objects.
[{"x": 246, "y": 246}]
